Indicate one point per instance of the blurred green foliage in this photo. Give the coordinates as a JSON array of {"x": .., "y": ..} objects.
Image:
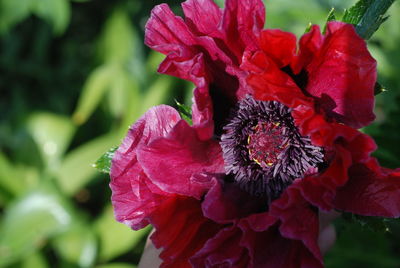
[{"x": 73, "y": 76}]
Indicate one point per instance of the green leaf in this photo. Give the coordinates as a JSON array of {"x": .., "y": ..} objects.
[
  {"x": 367, "y": 16},
  {"x": 360, "y": 247},
  {"x": 158, "y": 93},
  {"x": 57, "y": 12},
  {"x": 52, "y": 133},
  {"x": 93, "y": 91},
  {"x": 376, "y": 224},
  {"x": 77, "y": 168},
  {"x": 29, "y": 222},
  {"x": 308, "y": 28},
  {"x": 11, "y": 183},
  {"x": 379, "y": 89},
  {"x": 124, "y": 95},
  {"x": 12, "y": 12},
  {"x": 185, "y": 112},
  {"x": 36, "y": 260},
  {"x": 331, "y": 17},
  {"x": 103, "y": 164},
  {"x": 133, "y": 108},
  {"x": 114, "y": 237},
  {"x": 118, "y": 41},
  {"x": 354, "y": 14},
  {"x": 78, "y": 245}
]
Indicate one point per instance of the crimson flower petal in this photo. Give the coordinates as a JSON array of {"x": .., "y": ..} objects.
[
  {"x": 181, "y": 231},
  {"x": 279, "y": 45},
  {"x": 341, "y": 74}
]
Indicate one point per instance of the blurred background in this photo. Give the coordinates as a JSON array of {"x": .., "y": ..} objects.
[{"x": 74, "y": 74}]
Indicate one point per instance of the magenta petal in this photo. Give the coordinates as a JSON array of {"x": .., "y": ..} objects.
[
  {"x": 342, "y": 75},
  {"x": 223, "y": 250},
  {"x": 134, "y": 196},
  {"x": 164, "y": 30},
  {"x": 173, "y": 162},
  {"x": 202, "y": 16},
  {"x": 369, "y": 193}
]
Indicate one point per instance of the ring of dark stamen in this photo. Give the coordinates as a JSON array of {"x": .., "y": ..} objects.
[{"x": 293, "y": 161}]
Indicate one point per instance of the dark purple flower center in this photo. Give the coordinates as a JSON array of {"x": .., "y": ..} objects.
[{"x": 264, "y": 150}]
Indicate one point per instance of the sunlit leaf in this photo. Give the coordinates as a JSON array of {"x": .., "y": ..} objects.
[
  {"x": 29, "y": 222},
  {"x": 77, "y": 168},
  {"x": 77, "y": 245},
  {"x": 57, "y": 12},
  {"x": 93, "y": 91},
  {"x": 52, "y": 133},
  {"x": 124, "y": 93},
  {"x": 157, "y": 93},
  {"x": 153, "y": 60},
  {"x": 35, "y": 260},
  {"x": 118, "y": 38},
  {"x": 133, "y": 108},
  {"x": 115, "y": 238},
  {"x": 103, "y": 164},
  {"x": 10, "y": 182},
  {"x": 12, "y": 12}
]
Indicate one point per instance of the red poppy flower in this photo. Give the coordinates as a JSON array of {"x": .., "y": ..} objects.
[{"x": 273, "y": 141}]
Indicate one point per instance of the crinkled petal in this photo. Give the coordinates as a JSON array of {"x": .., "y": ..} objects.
[
  {"x": 173, "y": 161},
  {"x": 370, "y": 193},
  {"x": 269, "y": 82},
  {"x": 299, "y": 220},
  {"x": 279, "y": 45},
  {"x": 201, "y": 49},
  {"x": 242, "y": 22},
  {"x": 223, "y": 250},
  {"x": 202, "y": 16},
  {"x": 341, "y": 74},
  {"x": 320, "y": 190},
  {"x": 181, "y": 230},
  {"x": 327, "y": 134},
  {"x": 134, "y": 196}
]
